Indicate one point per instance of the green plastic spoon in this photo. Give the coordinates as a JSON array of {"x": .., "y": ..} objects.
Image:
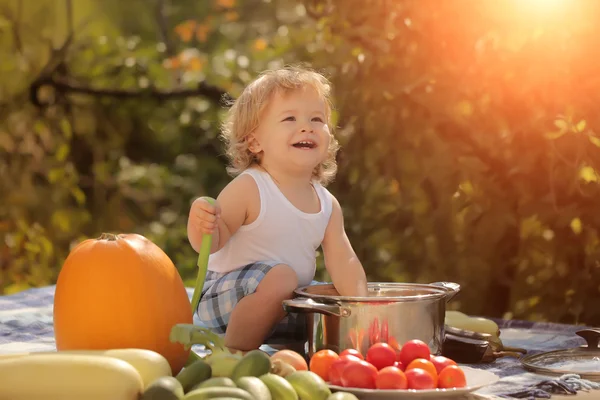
[{"x": 202, "y": 264}]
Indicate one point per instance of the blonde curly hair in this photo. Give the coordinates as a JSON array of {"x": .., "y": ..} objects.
[{"x": 243, "y": 117}]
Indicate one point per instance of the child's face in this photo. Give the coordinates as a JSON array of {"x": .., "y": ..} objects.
[{"x": 293, "y": 132}]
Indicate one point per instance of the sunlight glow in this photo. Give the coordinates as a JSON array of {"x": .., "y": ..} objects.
[{"x": 543, "y": 6}]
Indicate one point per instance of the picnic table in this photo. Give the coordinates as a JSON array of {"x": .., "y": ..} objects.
[{"x": 26, "y": 326}]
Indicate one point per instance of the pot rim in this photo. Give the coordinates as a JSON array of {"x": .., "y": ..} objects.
[{"x": 437, "y": 291}]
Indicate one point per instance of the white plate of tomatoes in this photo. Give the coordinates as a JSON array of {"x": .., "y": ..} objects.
[
  {"x": 476, "y": 379},
  {"x": 389, "y": 371}
]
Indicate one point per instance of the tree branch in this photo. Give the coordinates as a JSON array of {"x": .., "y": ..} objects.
[{"x": 66, "y": 86}]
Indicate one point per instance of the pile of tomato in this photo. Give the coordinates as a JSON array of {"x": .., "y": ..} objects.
[{"x": 384, "y": 367}]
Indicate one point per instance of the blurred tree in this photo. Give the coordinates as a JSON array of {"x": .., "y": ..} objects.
[
  {"x": 118, "y": 108},
  {"x": 468, "y": 130},
  {"x": 471, "y": 150}
]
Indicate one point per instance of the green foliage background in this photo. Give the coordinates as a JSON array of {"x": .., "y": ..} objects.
[{"x": 469, "y": 133}]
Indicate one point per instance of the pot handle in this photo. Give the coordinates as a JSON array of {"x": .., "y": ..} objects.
[
  {"x": 453, "y": 288},
  {"x": 306, "y": 305}
]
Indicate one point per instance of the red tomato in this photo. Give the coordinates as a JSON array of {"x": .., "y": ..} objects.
[
  {"x": 336, "y": 368},
  {"x": 391, "y": 378},
  {"x": 352, "y": 352},
  {"x": 452, "y": 377},
  {"x": 359, "y": 374},
  {"x": 414, "y": 349},
  {"x": 441, "y": 362},
  {"x": 381, "y": 355},
  {"x": 424, "y": 364},
  {"x": 399, "y": 365},
  {"x": 321, "y": 361},
  {"x": 419, "y": 379}
]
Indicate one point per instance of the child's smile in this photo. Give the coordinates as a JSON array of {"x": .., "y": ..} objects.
[
  {"x": 293, "y": 132},
  {"x": 305, "y": 145}
]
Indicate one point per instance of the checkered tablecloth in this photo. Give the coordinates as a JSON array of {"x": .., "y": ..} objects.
[{"x": 26, "y": 325}]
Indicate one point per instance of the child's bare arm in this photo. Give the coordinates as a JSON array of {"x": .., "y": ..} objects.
[
  {"x": 228, "y": 213},
  {"x": 344, "y": 267}
]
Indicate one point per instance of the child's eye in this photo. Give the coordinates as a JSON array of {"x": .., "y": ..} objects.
[
  {"x": 290, "y": 119},
  {"x": 318, "y": 119}
]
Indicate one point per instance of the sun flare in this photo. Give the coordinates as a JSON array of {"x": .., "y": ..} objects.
[{"x": 543, "y": 5}]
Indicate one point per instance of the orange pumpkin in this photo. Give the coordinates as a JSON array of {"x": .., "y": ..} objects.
[{"x": 120, "y": 291}]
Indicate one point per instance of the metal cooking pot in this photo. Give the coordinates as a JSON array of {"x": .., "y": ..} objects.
[{"x": 392, "y": 312}]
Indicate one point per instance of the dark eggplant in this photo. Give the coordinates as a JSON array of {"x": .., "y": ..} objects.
[{"x": 472, "y": 347}]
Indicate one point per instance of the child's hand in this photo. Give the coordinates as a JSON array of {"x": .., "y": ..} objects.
[{"x": 204, "y": 215}]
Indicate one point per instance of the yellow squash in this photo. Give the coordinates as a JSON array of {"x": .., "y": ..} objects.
[
  {"x": 458, "y": 320},
  {"x": 68, "y": 377},
  {"x": 149, "y": 364}
]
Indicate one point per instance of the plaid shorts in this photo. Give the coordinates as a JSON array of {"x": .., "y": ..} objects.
[{"x": 222, "y": 291}]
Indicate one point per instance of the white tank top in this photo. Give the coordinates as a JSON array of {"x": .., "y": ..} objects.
[{"x": 281, "y": 234}]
